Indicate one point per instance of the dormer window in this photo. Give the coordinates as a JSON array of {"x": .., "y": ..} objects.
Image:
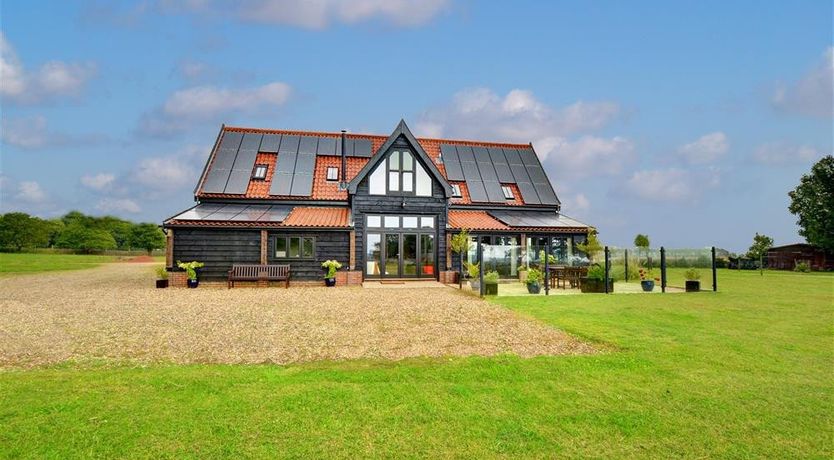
[
  {"x": 508, "y": 192},
  {"x": 259, "y": 173},
  {"x": 332, "y": 173},
  {"x": 456, "y": 191}
]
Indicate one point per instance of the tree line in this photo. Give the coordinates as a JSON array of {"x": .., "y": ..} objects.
[{"x": 77, "y": 231}]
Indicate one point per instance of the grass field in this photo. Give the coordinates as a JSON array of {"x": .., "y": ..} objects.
[
  {"x": 746, "y": 372},
  {"x": 11, "y": 263}
]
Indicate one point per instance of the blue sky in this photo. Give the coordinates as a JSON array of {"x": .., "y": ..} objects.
[{"x": 689, "y": 122}]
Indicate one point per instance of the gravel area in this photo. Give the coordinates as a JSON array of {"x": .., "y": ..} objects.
[{"x": 114, "y": 313}]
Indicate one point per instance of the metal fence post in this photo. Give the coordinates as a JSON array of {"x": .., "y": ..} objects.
[
  {"x": 480, "y": 268},
  {"x": 607, "y": 268},
  {"x": 547, "y": 266},
  {"x": 662, "y": 269},
  {"x": 714, "y": 273},
  {"x": 626, "y": 265}
]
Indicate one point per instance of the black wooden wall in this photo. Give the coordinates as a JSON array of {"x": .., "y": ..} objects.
[
  {"x": 217, "y": 248},
  {"x": 330, "y": 245}
]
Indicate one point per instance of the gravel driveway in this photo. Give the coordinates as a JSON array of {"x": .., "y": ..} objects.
[{"x": 113, "y": 312}]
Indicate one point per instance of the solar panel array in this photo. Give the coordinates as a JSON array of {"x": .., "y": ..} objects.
[
  {"x": 235, "y": 158},
  {"x": 236, "y": 212},
  {"x": 485, "y": 169},
  {"x": 543, "y": 219}
]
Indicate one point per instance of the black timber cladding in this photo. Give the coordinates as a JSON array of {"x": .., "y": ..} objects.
[
  {"x": 218, "y": 249},
  {"x": 329, "y": 245}
]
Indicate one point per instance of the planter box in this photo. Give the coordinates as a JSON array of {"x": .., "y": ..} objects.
[
  {"x": 588, "y": 285},
  {"x": 647, "y": 285},
  {"x": 534, "y": 288},
  {"x": 193, "y": 283},
  {"x": 475, "y": 285},
  {"x": 693, "y": 285},
  {"x": 161, "y": 284},
  {"x": 490, "y": 289},
  {"x": 330, "y": 282}
]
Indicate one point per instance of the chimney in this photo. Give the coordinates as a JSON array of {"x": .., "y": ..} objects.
[{"x": 344, "y": 161}]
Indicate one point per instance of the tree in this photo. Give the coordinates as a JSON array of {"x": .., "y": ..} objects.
[
  {"x": 460, "y": 245},
  {"x": 761, "y": 244},
  {"x": 121, "y": 230},
  {"x": 19, "y": 230},
  {"x": 147, "y": 237},
  {"x": 81, "y": 238},
  {"x": 642, "y": 242},
  {"x": 812, "y": 201},
  {"x": 591, "y": 246}
]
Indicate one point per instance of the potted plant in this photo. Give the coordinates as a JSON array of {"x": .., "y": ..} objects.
[
  {"x": 330, "y": 276},
  {"x": 491, "y": 283},
  {"x": 191, "y": 271},
  {"x": 595, "y": 280},
  {"x": 693, "y": 283},
  {"x": 161, "y": 277},
  {"x": 646, "y": 281},
  {"x": 534, "y": 280},
  {"x": 522, "y": 273},
  {"x": 474, "y": 271}
]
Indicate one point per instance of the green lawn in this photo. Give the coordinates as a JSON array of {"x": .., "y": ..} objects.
[
  {"x": 747, "y": 372},
  {"x": 20, "y": 263}
]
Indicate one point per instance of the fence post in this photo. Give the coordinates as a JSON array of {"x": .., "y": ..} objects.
[
  {"x": 480, "y": 268},
  {"x": 547, "y": 266},
  {"x": 626, "y": 265},
  {"x": 605, "y": 281},
  {"x": 714, "y": 273},
  {"x": 662, "y": 269}
]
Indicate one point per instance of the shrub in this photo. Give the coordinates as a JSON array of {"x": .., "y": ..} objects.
[
  {"x": 331, "y": 266},
  {"x": 596, "y": 272},
  {"x": 473, "y": 270},
  {"x": 161, "y": 272},
  {"x": 522, "y": 268},
  {"x": 534, "y": 275},
  {"x": 692, "y": 275},
  {"x": 191, "y": 268},
  {"x": 802, "y": 266},
  {"x": 491, "y": 277}
]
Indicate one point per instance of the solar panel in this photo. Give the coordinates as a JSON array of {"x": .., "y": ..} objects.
[
  {"x": 528, "y": 157},
  {"x": 216, "y": 180},
  {"x": 238, "y": 182},
  {"x": 251, "y": 213},
  {"x": 502, "y": 168},
  {"x": 231, "y": 140},
  {"x": 302, "y": 185},
  {"x": 349, "y": 147},
  {"x": 284, "y": 168},
  {"x": 485, "y": 167},
  {"x": 270, "y": 143},
  {"x": 224, "y": 158},
  {"x": 305, "y": 163},
  {"x": 327, "y": 146},
  {"x": 362, "y": 148},
  {"x": 289, "y": 144},
  {"x": 528, "y": 193},
  {"x": 281, "y": 183},
  {"x": 251, "y": 141},
  {"x": 465, "y": 153},
  {"x": 494, "y": 192},
  {"x": 275, "y": 213},
  {"x": 308, "y": 145},
  {"x": 451, "y": 162},
  {"x": 546, "y": 193},
  {"x": 477, "y": 191},
  {"x": 536, "y": 174},
  {"x": 528, "y": 218}
]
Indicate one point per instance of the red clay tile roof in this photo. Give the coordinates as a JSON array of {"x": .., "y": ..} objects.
[
  {"x": 305, "y": 216},
  {"x": 324, "y": 190},
  {"x": 475, "y": 220}
]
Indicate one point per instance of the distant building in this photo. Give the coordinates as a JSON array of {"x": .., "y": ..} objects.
[{"x": 786, "y": 257}]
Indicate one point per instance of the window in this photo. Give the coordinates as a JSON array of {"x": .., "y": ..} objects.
[
  {"x": 332, "y": 173},
  {"x": 400, "y": 174},
  {"x": 259, "y": 172},
  {"x": 456, "y": 191},
  {"x": 508, "y": 192},
  {"x": 374, "y": 221},
  {"x": 392, "y": 221},
  {"x": 409, "y": 221},
  {"x": 295, "y": 247},
  {"x": 427, "y": 222}
]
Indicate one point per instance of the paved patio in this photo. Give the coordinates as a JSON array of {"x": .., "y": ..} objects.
[{"x": 113, "y": 313}]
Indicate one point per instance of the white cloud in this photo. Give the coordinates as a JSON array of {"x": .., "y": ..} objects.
[
  {"x": 315, "y": 14},
  {"x": 179, "y": 170},
  {"x": 585, "y": 156},
  {"x": 812, "y": 95},
  {"x": 31, "y": 192},
  {"x": 671, "y": 185},
  {"x": 205, "y": 103},
  {"x": 54, "y": 79},
  {"x": 775, "y": 153},
  {"x": 99, "y": 181},
  {"x": 191, "y": 70},
  {"x": 706, "y": 149},
  {"x": 576, "y": 203},
  {"x": 33, "y": 133},
  {"x": 118, "y": 205}
]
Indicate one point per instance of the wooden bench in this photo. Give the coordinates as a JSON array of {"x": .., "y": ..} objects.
[{"x": 255, "y": 272}]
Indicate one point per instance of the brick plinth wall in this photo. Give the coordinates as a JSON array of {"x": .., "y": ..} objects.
[
  {"x": 177, "y": 279},
  {"x": 349, "y": 278},
  {"x": 448, "y": 277}
]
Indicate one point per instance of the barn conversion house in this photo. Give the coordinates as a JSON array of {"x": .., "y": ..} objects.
[{"x": 384, "y": 206}]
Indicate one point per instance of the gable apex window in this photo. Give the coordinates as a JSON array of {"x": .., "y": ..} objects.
[
  {"x": 400, "y": 174},
  {"x": 332, "y": 173},
  {"x": 259, "y": 173},
  {"x": 508, "y": 192},
  {"x": 456, "y": 191}
]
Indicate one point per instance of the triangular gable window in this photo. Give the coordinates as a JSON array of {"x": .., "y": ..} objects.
[{"x": 400, "y": 174}]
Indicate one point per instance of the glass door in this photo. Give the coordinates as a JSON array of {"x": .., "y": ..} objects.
[
  {"x": 409, "y": 262},
  {"x": 373, "y": 256},
  {"x": 427, "y": 255},
  {"x": 392, "y": 254}
]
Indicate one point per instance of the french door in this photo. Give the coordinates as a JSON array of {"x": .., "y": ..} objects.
[{"x": 400, "y": 255}]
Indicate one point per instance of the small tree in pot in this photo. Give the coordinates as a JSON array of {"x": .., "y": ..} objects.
[
  {"x": 693, "y": 283},
  {"x": 534, "y": 280},
  {"x": 161, "y": 277},
  {"x": 491, "y": 283},
  {"x": 460, "y": 245},
  {"x": 191, "y": 271},
  {"x": 330, "y": 276},
  {"x": 474, "y": 271}
]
